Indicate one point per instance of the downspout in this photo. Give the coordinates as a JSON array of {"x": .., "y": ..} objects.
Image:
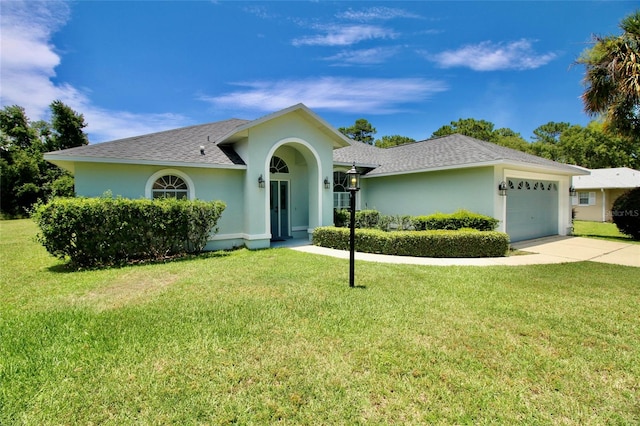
[{"x": 604, "y": 205}]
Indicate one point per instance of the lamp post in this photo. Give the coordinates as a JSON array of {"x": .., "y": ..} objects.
[{"x": 354, "y": 186}]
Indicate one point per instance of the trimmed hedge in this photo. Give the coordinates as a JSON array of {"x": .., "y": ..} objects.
[
  {"x": 372, "y": 219},
  {"x": 94, "y": 232},
  {"x": 459, "y": 219},
  {"x": 439, "y": 243}
]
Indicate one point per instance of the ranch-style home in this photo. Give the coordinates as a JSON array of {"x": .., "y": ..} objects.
[
  {"x": 282, "y": 175},
  {"x": 596, "y": 192}
]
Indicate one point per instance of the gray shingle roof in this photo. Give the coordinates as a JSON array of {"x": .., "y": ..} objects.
[
  {"x": 446, "y": 152},
  {"x": 178, "y": 145}
]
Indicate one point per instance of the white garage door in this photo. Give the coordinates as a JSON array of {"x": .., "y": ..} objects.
[{"x": 532, "y": 209}]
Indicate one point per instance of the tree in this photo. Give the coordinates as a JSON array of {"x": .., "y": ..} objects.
[
  {"x": 361, "y": 131},
  {"x": 395, "y": 140},
  {"x": 612, "y": 78},
  {"x": 479, "y": 129},
  {"x": 550, "y": 133},
  {"x": 593, "y": 148},
  {"x": 67, "y": 127},
  {"x": 15, "y": 130},
  {"x": 26, "y": 176},
  {"x": 483, "y": 130}
]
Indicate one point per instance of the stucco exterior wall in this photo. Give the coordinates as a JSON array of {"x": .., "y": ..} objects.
[
  {"x": 312, "y": 153},
  {"x": 130, "y": 181},
  {"x": 426, "y": 193},
  {"x": 601, "y": 211}
]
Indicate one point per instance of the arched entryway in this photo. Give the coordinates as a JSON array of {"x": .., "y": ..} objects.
[{"x": 294, "y": 203}]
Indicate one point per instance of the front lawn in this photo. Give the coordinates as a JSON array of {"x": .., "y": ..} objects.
[
  {"x": 277, "y": 335},
  {"x": 602, "y": 230}
]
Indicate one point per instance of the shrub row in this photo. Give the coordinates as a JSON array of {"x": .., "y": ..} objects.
[
  {"x": 439, "y": 243},
  {"x": 374, "y": 220},
  {"x": 458, "y": 220},
  {"x": 93, "y": 232}
]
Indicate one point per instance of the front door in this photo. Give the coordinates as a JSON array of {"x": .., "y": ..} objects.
[{"x": 279, "y": 205}]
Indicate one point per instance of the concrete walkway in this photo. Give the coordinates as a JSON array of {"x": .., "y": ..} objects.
[{"x": 548, "y": 250}]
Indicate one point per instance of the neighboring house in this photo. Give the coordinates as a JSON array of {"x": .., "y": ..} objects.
[
  {"x": 596, "y": 193},
  {"x": 274, "y": 174}
]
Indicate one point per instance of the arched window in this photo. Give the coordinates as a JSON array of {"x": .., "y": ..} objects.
[
  {"x": 340, "y": 182},
  {"x": 170, "y": 186},
  {"x": 278, "y": 165}
]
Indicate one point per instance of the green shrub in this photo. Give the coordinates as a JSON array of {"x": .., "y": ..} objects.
[
  {"x": 440, "y": 243},
  {"x": 341, "y": 217},
  {"x": 93, "y": 232},
  {"x": 459, "y": 219},
  {"x": 367, "y": 218},
  {"x": 626, "y": 213}
]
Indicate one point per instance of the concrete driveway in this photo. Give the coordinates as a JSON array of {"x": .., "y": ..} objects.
[
  {"x": 547, "y": 250},
  {"x": 573, "y": 249}
]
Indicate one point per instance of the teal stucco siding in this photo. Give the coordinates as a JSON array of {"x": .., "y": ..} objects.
[
  {"x": 430, "y": 192},
  {"x": 130, "y": 181}
]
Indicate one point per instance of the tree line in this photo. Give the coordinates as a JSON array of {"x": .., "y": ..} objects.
[{"x": 26, "y": 176}]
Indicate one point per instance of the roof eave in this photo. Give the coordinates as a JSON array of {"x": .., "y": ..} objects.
[
  {"x": 518, "y": 164},
  {"x": 358, "y": 164},
  {"x": 68, "y": 163}
]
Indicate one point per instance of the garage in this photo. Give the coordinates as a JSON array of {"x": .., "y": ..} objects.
[{"x": 532, "y": 209}]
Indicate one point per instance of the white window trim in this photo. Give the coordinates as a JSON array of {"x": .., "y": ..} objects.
[
  {"x": 191, "y": 190},
  {"x": 590, "y": 202}
]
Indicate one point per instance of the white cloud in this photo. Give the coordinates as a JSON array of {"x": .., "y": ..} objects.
[
  {"x": 376, "y": 55},
  {"x": 368, "y": 95},
  {"x": 376, "y": 13},
  {"x": 344, "y": 35},
  {"x": 28, "y": 61},
  {"x": 488, "y": 56}
]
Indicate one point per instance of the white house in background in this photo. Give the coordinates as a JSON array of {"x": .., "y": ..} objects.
[
  {"x": 274, "y": 174},
  {"x": 596, "y": 193}
]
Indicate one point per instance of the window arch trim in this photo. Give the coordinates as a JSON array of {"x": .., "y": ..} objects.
[{"x": 191, "y": 191}]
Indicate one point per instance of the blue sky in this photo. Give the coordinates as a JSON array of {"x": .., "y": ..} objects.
[{"x": 134, "y": 67}]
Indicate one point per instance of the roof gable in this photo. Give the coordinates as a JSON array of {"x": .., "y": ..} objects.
[{"x": 339, "y": 140}]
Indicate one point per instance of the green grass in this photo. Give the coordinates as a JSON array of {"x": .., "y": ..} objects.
[
  {"x": 277, "y": 336},
  {"x": 601, "y": 230}
]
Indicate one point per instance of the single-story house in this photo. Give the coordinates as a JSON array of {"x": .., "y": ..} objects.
[
  {"x": 596, "y": 192},
  {"x": 282, "y": 175}
]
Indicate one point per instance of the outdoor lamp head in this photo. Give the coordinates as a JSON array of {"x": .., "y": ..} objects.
[{"x": 354, "y": 179}]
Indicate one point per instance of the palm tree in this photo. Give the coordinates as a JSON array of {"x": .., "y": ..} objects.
[{"x": 612, "y": 78}]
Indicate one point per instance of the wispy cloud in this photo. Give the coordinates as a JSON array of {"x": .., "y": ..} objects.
[
  {"x": 28, "y": 63},
  {"x": 376, "y": 14},
  {"x": 335, "y": 35},
  {"x": 372, "y": 56},
  {"x": 489, "y": 56},
  {"x": 260, "y": 12},
  {"x": 368, "y": 95}
]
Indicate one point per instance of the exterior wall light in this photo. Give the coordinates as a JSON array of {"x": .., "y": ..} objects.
[
  {"x": 502, "y": 189},
  {"x": 327, "y": 184},
  {"x": 572, "y": 191},
  {"x": 260, "y": 182}
]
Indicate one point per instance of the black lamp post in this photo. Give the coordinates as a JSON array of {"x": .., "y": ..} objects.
[{"x": 354, "y": 186}]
